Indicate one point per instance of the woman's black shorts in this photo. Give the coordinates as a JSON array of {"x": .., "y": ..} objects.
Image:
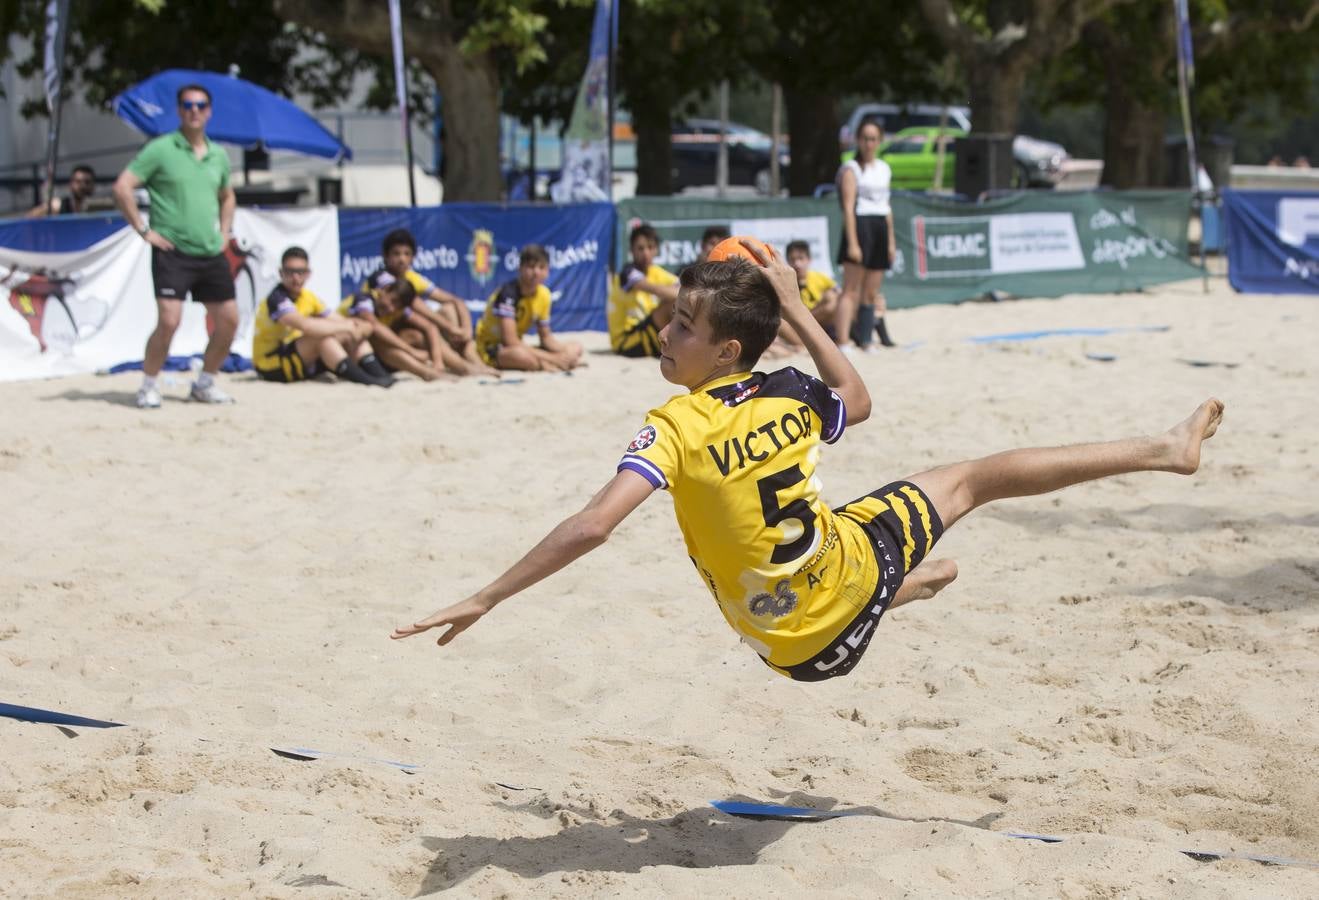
[{"x": 872, "y": 235}]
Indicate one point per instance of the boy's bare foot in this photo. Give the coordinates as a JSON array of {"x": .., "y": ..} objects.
[
  {"x": 926, "y": 580},
  {"x": 1184, "y": 439}
]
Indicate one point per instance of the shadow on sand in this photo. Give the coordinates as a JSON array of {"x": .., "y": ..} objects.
[{"x": 695, "y": 839}]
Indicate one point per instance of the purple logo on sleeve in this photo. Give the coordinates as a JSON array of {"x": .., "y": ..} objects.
[{"x": 645, "y": 437}]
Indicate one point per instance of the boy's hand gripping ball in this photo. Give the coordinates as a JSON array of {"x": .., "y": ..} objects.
[{"x": 730, "y": 247}]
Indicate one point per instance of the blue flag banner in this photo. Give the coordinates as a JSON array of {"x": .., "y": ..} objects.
[
  {"x": 1272, "y": 241},
  {"x": 470, "y": 249},
  {"x": 586, "y": 173}
]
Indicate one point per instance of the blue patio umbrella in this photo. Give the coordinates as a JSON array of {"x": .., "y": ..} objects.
[{"x": 244, "y": 113}]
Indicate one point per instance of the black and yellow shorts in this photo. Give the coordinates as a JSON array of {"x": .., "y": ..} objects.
[
  {"x": 901, "y": 526},
  {"x": 285, "y": 365},
  {"x": 642, "y": 339}
]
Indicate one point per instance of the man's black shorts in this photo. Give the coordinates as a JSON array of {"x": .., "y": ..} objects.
[{"x": 177, "y": 274}]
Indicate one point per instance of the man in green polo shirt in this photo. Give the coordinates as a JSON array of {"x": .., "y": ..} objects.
[{"x": 192, "y": 210}]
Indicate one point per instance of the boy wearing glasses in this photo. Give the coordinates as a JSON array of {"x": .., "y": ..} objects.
[
  {"x": 192, "y": 213},
  {"x": 297, "y": 337}
]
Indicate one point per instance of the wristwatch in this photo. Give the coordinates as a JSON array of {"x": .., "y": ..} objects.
[{"x": 143, "y": 231}]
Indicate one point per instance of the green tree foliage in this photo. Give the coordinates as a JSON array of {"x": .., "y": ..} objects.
[
  {"x": 1248, "y": 53},
  {"x": 459, "y": 43},
  {"x": 822, "y": 51},
  {"x": 115, "y": 43},
  {"x": 1001, "y": 43},
  {"x": 668, "y": 50}
]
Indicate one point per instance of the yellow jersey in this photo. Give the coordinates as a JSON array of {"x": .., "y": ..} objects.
[
  {"x": 420, "y": 283},
  {"x": 739, "y": 457},
  {"x": 629, "y": 309},
  {"x": 812, "y": 292},
  {"x": 508, "y": 302},
  {"x": 270, "y": 335}
]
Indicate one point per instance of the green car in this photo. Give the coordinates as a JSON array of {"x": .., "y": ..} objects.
[{"x": 912, "y": 154}]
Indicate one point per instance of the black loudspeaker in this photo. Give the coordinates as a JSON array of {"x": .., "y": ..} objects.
[
  {"x": 329, "y": 191},
  {"x": 984, "y": 163}
]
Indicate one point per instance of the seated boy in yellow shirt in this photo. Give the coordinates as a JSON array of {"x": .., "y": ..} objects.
[
  {"x": 802, "y": 584},
  {"x": 297, "y": 337},
  {"x": 641, "y": 298},
  {"x": 512, "y": 310}
]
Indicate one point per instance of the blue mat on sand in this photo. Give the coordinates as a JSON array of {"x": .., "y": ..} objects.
[
  {"x": 304, "y": 754},
  {"x": 48, "y": 717},
  {"x": 1062, "y": 332},
  {"x": 778, "y": 812},
  {"x": 232, "y": 363}
]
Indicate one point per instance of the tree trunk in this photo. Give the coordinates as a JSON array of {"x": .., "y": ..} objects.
[
  {"x": 996, "y": 89},
  {"x": 654, "y": 128},
  {"x": 470, "y": 88},
  {"x": 813, "y": 130},
  {"x": 469, "y": 83},
  {"x": 1133, "y": 142},
  {"x": 1135, "y": 113}
]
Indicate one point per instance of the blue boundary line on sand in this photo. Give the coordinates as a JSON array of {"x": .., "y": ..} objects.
[
  {"x": 50, "y": 717},
  {"x": 808, "y": 814}
]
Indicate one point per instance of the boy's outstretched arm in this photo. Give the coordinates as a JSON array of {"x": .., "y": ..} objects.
[
  {"x": 573, "y": 537},
  {"x": 835, "y": 369}
]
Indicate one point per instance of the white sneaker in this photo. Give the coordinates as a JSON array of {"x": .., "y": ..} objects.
[
  {"x": 148, "y": 398},
  {"x": 209, "y": 394},
  {"x": 847, "y": 349},
  {"x": 872, "y": 349}
]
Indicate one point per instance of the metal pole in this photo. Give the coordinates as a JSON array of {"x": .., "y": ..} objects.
[
  {"x": 775, "y": 126},
  {"x": 531, "y": 162},
  {"x": 401, "y": 86},
  {"x": 54, "y": 83},
  {"x": 721, "y": 167},
  {"x": 613, "y": 83}
]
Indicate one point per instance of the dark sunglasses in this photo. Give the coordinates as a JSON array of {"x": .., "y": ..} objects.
[
  {"x": 288, "y": 271},
  {"x": 194, "y": 104}
]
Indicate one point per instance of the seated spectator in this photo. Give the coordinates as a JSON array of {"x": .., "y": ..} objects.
[
  {"x": 297, "y": 337},
  {"x": 450, "y": 313},
  {"x": 512, "y": 310},
  {"x": 82, "y": 184},
  {"x": 641, "y": 298},
  {"x": 386, "y": 303},
  {"x": 818, "y": 291},
  {"x": 710, "y": 238}
]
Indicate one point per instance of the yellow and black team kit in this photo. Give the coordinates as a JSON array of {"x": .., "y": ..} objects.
[
  {"x": 274, "y": 346},
  {"x": 364, "y": 300},
  {"x": 812, "y": 292},
  {"x": 508, "y": 302},
  {"x": 804, "y": 585},
  {"x": 632, "y": 328}
]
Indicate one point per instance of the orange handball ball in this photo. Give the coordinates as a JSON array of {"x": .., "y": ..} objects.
[{"x": 730, "y": 247}]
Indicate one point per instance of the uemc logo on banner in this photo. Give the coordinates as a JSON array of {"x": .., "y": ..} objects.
[{"x": 947, "y": 247}]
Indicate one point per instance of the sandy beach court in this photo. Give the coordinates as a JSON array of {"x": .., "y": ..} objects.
[{"x": 1130, "y": 665}]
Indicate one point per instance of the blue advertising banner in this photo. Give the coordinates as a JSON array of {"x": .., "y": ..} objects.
[
  {"x": 1272, "y": 241},
  {"x": 58, "y": 234},
  {"x": 470, "y": 249}
]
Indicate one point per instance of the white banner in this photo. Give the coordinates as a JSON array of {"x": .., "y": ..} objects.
[
  {"x": 778, "y": 233},
  {"x": 90, "y": 309}
]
